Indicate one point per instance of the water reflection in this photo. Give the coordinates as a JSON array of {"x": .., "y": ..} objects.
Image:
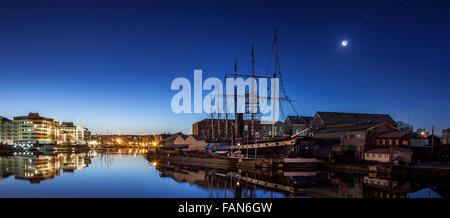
[
  {"x": 311, "y": 184},
  {"x": 133, "y": 173},
  {"x": 38, "y": 167}
]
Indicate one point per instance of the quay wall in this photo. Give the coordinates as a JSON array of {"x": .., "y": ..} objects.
[{"x": 212, "y": 162}]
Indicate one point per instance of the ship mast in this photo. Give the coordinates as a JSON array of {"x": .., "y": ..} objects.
[
  {"x": 226, "y": 110},
  {"x": 252, "y": 106},
  {"x": 218, "y": 123},
  {"x": 212, "y": 125},
  {"x": 273, "y": 85},
  {"x": 236, "y": 134}
]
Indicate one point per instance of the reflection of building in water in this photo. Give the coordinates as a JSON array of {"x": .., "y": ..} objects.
[
  {"x": 385, "y": 188},
  {"x": 221, "y": 184},
  {"x": 72, "y": 161},
  {"x": 340, "y": 186},
  {"x": 36, "y": 168},
  {"x": 191, "y": 177},
  {"x": 29, "y": 167}
]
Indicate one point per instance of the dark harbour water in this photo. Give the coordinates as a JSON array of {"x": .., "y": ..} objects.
[{"x": 129, "y": 174}]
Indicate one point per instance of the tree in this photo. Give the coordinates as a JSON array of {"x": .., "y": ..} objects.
[{"x": 404, "y": 127}]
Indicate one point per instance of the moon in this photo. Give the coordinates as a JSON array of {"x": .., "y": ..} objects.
[{"x": 344, "y": 43}]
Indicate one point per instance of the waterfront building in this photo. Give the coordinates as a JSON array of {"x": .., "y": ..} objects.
[
  {"x": 351, "y": 132},
  {"x": 195, "y": 142},
  {"x": 219, "y": 128},
  {"x": 34, "y": 129},
  {"x": 445, "y": 136},
  {"x": 8, "y": 131},
  {"x": 296, "y": 124},
  {"x": 391, "y": 154},
  {"x": 378, "y": 155},
  {"x": 266, "y": 129},
  {"x": 393, "y": 139},
  {"x": 419, "y": 140},
  {"x": 69, "y": 134},
  {"x": 403, "y": 154},
  {"x": 177, "y": 141},
  {"x": 87, "y": 135},
  {"x": 419, "y": 143},
  {"x": 121, "y": 140},
  {"x": 323, "y": 120}
]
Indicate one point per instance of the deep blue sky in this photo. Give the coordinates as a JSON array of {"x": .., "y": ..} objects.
[{"x": 108, "y": 65}]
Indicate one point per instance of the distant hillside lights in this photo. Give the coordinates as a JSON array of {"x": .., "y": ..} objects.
[
  {"x": 34, "y": 129},
  {"x": 214, "y": 101}
]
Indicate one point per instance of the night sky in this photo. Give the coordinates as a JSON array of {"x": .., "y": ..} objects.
[{"x": 108, "y": 65}]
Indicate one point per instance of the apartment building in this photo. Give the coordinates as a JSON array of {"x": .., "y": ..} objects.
[
  {"x": 69, "y": 134},
  {"x": 8, "y": 131},
  {"x": 34, "y": 129}
]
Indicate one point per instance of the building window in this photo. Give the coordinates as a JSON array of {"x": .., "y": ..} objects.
[
  {"x": 384, "y": 142},
  {"x": 390, "y": 142},
  {"x": 397, "y": 142}
]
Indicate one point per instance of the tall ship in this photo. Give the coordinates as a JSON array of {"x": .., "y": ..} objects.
[{"x": 246, "y": 134}]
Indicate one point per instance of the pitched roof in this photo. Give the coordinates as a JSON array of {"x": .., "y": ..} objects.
[
  {"x": 393, "y": 135},
  {"x": 198, "y": 137},
  {"x": 403, "y": 149},
  {"x": 348, "y": 128},
  {"x": 299, "y": 119},
  {"x": 338, "y": 117},
  {"x": 3, "y": 119},
  {"x": 378, "y": 151},
  {"x": 174, "y": 136}
]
